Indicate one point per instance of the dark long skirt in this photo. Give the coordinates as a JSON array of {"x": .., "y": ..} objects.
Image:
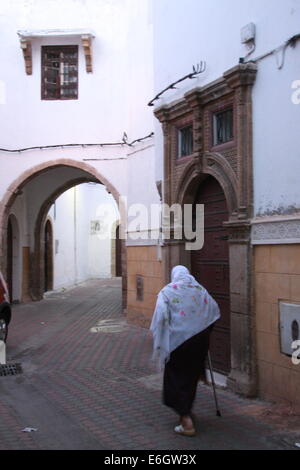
[{"x": 183, "y": 370}]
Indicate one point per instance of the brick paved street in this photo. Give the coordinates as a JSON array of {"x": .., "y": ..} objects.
[{"x": 88, "y": 383}]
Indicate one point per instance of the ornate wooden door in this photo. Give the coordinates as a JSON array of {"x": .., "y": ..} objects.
[{"x": 210, "y": 266}]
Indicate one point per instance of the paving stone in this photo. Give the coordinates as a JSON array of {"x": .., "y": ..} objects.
[{"x": 84, "y": 388}]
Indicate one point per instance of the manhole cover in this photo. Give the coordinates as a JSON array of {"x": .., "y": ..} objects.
[
  {"x": 10, "y": 369},
  {"x": 109, "y": 326}
]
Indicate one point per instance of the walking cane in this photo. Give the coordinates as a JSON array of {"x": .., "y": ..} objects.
[{"x": 213, "y": 384}]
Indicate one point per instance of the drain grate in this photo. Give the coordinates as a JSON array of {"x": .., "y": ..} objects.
[{"x": 10, "y": 369}]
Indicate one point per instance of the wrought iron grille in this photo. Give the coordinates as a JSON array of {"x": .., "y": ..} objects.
[{"x": 59, "y": 72}]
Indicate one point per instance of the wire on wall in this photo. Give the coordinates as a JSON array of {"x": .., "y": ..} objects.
[
  {"x": 200, "y": 68},
  {"x": 279, "y": 52},
  {"x": 105, "y": 144}
]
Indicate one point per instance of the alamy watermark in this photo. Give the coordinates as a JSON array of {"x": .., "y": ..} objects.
[
  {"x": 296, "y": 353},
  {"x": 295, "y": 97},
  {"x": 154, "y": 222},
  {"x": 2, "y": 92}
]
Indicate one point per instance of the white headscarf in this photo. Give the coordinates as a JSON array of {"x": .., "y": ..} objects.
[{"x": 183, "y": 309}]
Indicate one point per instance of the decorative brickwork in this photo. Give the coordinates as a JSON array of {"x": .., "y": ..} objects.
[{"x": 230, "y": 163}]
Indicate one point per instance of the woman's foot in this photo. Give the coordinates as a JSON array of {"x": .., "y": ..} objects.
[
  {"x": 186, "y": 426},
  {"x": 187, "y": 422}
]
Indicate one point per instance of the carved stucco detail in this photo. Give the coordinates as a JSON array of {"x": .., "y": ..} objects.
[{"x": 268, "y": 232}]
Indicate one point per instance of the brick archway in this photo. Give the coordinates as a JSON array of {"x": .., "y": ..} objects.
[
  {"x": 215, "y": 165},
  {"x": 16, "y": 186},
  {"x": 34, "y": 282}
]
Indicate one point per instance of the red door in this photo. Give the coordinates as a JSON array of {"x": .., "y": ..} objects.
[{"x": 210, "y": 266}]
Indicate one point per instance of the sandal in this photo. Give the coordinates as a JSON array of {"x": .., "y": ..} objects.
[{"x": 184, "y": 432}]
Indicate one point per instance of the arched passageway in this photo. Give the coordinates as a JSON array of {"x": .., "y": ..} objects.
[{"x": 30, "y": 198}]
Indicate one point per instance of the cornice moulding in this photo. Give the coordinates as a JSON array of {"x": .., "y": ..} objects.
[
  {"x": 275, "y": 230},
  {"x": 40, "y": 33}
]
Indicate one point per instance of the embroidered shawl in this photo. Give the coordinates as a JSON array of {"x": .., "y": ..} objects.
[{"x": 183, "y": 309}]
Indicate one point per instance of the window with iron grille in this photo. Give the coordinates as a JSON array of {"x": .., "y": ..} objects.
[
  {"x": 59, "y": 72},
  {"x": 223, "y": 127},
  {"x": 185, "y": 141}
]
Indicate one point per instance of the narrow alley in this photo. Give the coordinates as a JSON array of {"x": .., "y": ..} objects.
[{"x": 88, "y": 383}]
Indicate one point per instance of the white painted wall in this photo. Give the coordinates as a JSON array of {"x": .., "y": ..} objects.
[
  {"x": 112, "y": 99},
  {"x": 276, "y": 124},
  {"x": 140, "y": 209},
  {"x": 81, "y": 255},
  {"x": 188, "y": 31},
  {"x": 63, "y": 231}
]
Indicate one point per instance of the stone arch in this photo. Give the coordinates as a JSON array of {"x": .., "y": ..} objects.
[
  {"x": 213, "y": 164},
  {"x": 16, "y": 186},
  {"x": 36, "y": 275},
  {"x": 37, "y": 271}
]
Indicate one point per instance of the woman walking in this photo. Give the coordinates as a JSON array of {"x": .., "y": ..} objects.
[{"x": 181, "y": 326}]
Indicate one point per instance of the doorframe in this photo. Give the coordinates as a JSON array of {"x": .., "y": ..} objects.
[
  {"x": 9, "y": 259},
  {"x": 14, "y": 284},
  {"x": 233, "y": 170},
  {"x": 48, "y": 257},
  {"x": 118, "y": 252}
]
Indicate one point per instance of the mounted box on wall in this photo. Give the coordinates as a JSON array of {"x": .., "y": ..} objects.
[
  {"x": 248, "y": 33},
  {"x": 289, "y": 326},
  {"x": 139, "y": 287}
]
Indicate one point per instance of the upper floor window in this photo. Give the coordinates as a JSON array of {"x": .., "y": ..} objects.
[
  {"x": 185, "y": 141},
  {"x": 59, "y": 72},
  {"x": 223, "y": 126}
]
